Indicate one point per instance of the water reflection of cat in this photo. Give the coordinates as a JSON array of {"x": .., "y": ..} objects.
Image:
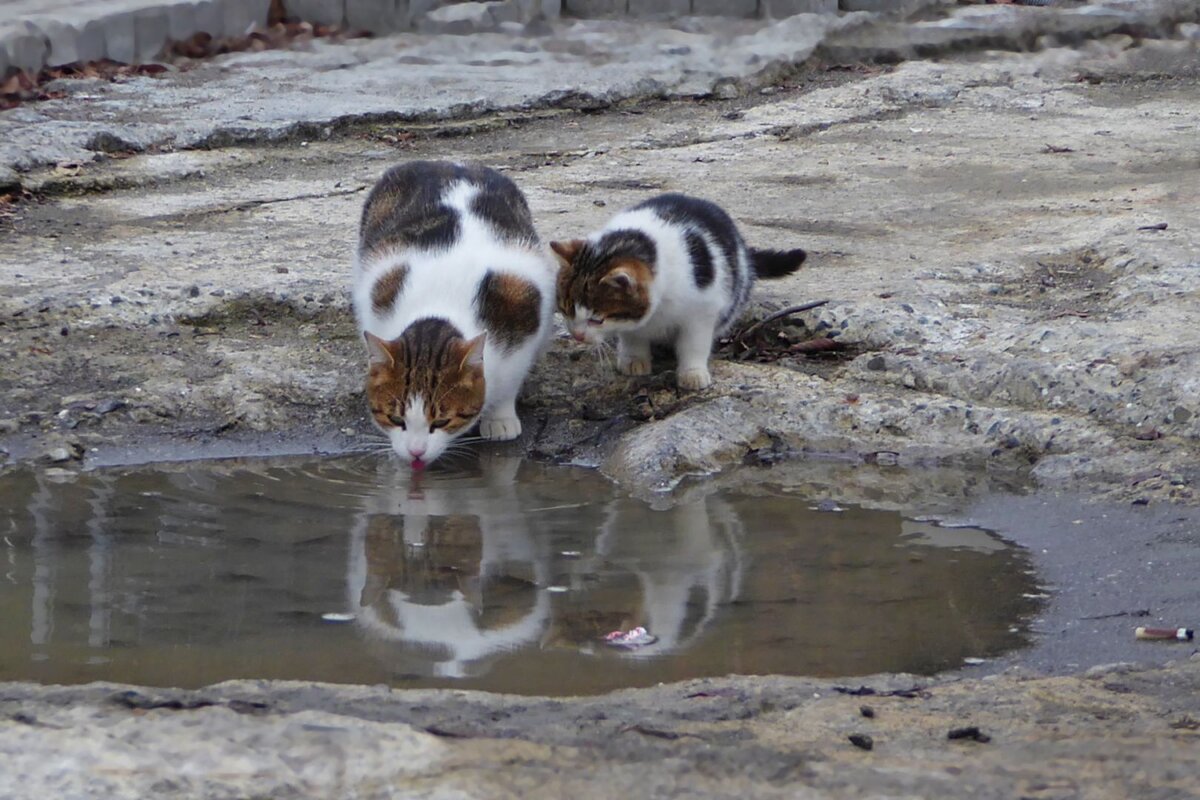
[
  {"x": 669, "y": 571},
  {"x": 452, "y": 569},
  {"x": 454, "y": 572}
]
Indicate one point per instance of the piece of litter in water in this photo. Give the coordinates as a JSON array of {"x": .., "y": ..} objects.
[
  {"x": 333, "y": 616},
  {"x": 571, "y": 553},
  {"x": 557, "y": 589},
  {"x": 974, "y": 662},
  {"x": 638, "y": 637}
]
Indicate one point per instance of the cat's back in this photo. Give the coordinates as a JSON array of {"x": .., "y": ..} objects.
[
  {"x": 430, "y": 206},
  {"x": 686, "y": 210}
]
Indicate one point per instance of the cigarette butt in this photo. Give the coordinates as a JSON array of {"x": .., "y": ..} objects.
[{"x": 1179, "y": 634}]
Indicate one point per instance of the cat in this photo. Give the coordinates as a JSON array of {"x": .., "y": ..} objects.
[
  {"x": 454, "y": 294},
  {"x": 673, "y": 269}
]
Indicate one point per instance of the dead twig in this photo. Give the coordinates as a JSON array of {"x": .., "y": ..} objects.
[{"x": 786, "y": 312}]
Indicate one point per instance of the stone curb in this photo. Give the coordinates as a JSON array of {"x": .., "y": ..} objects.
[{"x": 132, "y": 31}]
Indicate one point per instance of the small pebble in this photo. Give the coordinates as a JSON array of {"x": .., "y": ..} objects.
[
  {"x": 862, "y": 741},
  {"x": 971, "y": 732},
  {"x": 867, "y": 712}
]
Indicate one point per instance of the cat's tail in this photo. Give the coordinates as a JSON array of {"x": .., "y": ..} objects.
[{"x": 776, "y": 263}]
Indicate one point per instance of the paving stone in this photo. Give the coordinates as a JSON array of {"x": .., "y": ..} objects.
[
  {"x": 120, "y": 37},
  {"x": 595, "y": 8},
  {"x": 318, "y": 12},
  {"x": 70, "y": 42},
  {"x": 539, "y": 9},
  {"x": 725, "y": 8},
  {"x": 209, "y": 18},
  {"x": 659, "y": 8},
  {"x": 9, "y": 178},
  {"x": 22, "y": 46},
  {"x": 377, "y": 16},
  {"x": 242, "y": 15},
  {"x": 888, "y": 6},
  {"x": 776, "y": 9},
  {"x": 417, "y": 9},
  {"x": 151, "y": 29}
]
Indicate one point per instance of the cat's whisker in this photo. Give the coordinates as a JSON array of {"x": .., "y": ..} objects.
[{"x": 605, "y": 357}]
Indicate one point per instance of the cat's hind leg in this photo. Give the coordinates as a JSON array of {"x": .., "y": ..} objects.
[
  {"x": 633, "y": 354},
  {"x": 692, "y": 349}
]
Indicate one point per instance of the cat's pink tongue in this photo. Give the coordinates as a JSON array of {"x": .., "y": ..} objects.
[{"x": 418, "y": 465}]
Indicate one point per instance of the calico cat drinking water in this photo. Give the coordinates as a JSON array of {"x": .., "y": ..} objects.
[
  {"x": 673, "y": 269},
  {"x": 454, "y": 295}
]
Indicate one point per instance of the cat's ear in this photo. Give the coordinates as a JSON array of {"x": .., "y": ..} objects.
[
  {"x": 621, "y": 278},
  {"x": 379, "y": 352},
  {"x": 566, "y": 251},
  {"x": 472, "y": 353}
]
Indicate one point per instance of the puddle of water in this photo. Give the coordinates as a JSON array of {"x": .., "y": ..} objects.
[{"x": 502, "y": 575}]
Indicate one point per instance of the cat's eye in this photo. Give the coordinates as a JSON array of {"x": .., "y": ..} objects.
[
  {"x": 397, "y": 421},
  {"x": 595, "y": 321},
  {"x": 438, "y": 423}
]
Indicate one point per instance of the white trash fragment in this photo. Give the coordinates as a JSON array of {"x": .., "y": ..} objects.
[
  {"x": 333, "y": 616},
  {"x": 638, "y": 637}
]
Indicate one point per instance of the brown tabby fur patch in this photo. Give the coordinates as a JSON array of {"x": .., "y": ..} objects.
[
  {"x": 450, "y": 561},
  {"x": 428, "y": 575},
  {"x": 509, "y": 307},
  {"x": 429, "y": 359},
  {"x": 604, "y": 298},
  {"x": 387, "y": 289}
]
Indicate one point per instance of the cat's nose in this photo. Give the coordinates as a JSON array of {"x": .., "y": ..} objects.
[
  {"x": 416, "y": 450},
  {"x": 580, "y": 335}
]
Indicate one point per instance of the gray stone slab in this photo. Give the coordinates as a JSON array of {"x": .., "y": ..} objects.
[
  {"x": 659, "y": 8},
  {"x": 181, "y": 20},
  {"x": 540, "y": 9},
  {"x": 151, "y": 29},
  {"x": 725, "y": 8},
  {"x": 318, "y": 12},
  {"x": 889, "y": 6},
  {"x": 209, "y": 17},
  {"x": 22, "y": 46},
  {"x": 242, "y": 16},
  {"x": 595, "y": 8},
  {"x": 120, "y": 37},
  {"x": 377, "y": 16},
  {"x": 777, "y": 9},
  {"x": 506, "y": 11},
  {"x": 69, "y": 42},
  {"x": 417, "y": 9}
]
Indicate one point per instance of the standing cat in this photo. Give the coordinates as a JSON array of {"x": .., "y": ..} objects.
[
  {"x": 454, "y": 295},
  {"x": 672, "y": 269}
]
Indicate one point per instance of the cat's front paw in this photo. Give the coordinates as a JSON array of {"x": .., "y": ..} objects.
[
  {"x": 694, "y": 378},
  {"x": 500, "y": 429},
  {"x": 634, "y": 366}
]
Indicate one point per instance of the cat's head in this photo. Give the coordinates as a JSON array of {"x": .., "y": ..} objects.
[
  {"x": 604, "y": 284},
  {"x": 425, "y": 388}
]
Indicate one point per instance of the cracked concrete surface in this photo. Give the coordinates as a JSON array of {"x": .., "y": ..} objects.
[
  {"x": 989, "y": 231},
  {"x": 977, "y": 226}
]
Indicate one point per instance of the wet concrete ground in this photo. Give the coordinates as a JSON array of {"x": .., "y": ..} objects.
[{"x": 989, "y": 231}]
